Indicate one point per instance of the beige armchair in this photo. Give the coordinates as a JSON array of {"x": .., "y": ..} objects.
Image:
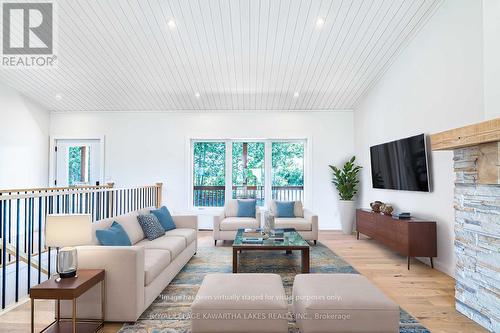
[
  {"x": 227, "y": 223},
  {"x": 305, "y": 221}
]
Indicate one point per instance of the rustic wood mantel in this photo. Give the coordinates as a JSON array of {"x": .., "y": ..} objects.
[
  {"x": 486, "y": 137},
  {"x": 467, "y": 136}
]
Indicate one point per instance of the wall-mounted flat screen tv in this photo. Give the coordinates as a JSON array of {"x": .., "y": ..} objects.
[{"x": 401, "y": 165}]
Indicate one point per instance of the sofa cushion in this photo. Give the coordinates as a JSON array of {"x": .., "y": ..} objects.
[
  {"x": 151, "y": 226},
  {"x": 188, "y": 234},
  {"x": 285, "y": 208},
  {"x": 298, "y": 223},
  {"x": 174, "y": 244},
  {"x": 231, "y": 208},
  {"x": 128, "y": 222},
  {"x": 298, "y": 209},
  {"x": 115, "y": 235},
  {"x": 166, "y": 220},
  {"x": 235, "y": 223},
  {"x": 155, "y": 261},
  {"x": 247, "y": 208}
]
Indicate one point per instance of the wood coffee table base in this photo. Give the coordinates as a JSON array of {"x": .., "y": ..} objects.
[{"x": 304, "y": 257}]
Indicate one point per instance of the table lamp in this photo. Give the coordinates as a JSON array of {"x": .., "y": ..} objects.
[{"x": 65, "y": 231}]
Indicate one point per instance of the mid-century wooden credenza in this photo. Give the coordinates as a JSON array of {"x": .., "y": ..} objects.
[{"x": 409, "y": 237}]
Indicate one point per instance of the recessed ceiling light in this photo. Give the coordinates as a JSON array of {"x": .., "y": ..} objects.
[
  {"x": 320, "y": 22},
  {"x": 58, "y": 97},
  {"x": 296, "y": 94},
  {"x": 197, "y": 95},
  {"x": 171, "y": 24}
]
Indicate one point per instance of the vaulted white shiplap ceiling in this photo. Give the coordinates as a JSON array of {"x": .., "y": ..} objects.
[{"x": 222, "y": 54}]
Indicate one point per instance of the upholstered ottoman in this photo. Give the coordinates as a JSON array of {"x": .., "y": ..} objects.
[
  {"x": 344, "y": 303},
  {"x": 240, "y": 303}
]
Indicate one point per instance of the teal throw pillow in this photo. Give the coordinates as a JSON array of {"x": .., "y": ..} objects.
[
  {"x": 115, "y": 235},
  {"x": 164, "y": 217},
  {"x": 247, "y": 208}
]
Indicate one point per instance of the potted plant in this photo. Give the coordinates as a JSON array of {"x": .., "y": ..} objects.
[{"x": 346, "y": 181}]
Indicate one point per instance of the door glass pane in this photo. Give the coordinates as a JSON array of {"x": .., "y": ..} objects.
[
  {"x": 209, "y": 168},
  {"x": 78, "y": 165},
  {"x": 287, "y": 171},
  {"x": 248, "y": 171}
]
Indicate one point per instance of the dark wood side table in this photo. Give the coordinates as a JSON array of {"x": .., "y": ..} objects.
[{"x": 69, "y": 289}]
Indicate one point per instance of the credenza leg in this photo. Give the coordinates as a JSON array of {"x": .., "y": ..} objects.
[
  {"x": 408, "y": 262},
  {"x": 357, "y": 234},
  {"x": 432, "y": 262}
]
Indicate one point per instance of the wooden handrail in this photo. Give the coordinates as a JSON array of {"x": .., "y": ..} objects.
[
  {"x": 82, "y": 191},
  {"x": 67, "y": 188}
]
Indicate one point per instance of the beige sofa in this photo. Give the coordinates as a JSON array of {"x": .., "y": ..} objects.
[
  {"x": 137, "y": 274},
  {"x": 227, "y": 223},
  {"x": 305, "y": 221}
]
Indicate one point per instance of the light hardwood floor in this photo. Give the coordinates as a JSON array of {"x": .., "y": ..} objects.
[{"x": 425, "y": 293}]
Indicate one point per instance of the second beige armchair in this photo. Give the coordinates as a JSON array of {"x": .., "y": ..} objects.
[{"x": 304, "y": 221}]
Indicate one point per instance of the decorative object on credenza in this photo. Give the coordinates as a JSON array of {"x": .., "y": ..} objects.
[
  {"x": 346, "y": 182},
  {"x": 386, "y": 209},
  {"x": 376, "y": 206},
  {"x": 402, "y": 215},
  {"x": 65, "y": 231}
]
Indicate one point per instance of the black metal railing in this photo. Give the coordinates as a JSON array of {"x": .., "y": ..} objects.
[
  {"x": 24, "y": 259},
  {"x": 214, "y": 196}
]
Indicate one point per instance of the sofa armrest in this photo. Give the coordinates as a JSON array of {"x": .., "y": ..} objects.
[
  {"x": 313, "y": 219},
  {"x": 124, "y": 276},
  {"x": 186, "y": 221},
  {"x": 217, "y": 220}
]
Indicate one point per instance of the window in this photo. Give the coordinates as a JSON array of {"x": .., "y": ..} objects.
[
  {"x": 248, "y": 171},
  {"x": 238, "y": 169},
  {"x": 78, "y": 165},
  {"x": 209, "y": 172},
  {"x": 288, "y": 171}
]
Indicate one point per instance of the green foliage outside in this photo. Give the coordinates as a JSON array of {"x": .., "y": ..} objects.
[
  {"x": 75, "y": 165},
  {"x": 255, "y": 164},
  {"x": 287, "y": 163},
  {"x": 346, "y": 179},
  {"x": 209, "y": 163}
]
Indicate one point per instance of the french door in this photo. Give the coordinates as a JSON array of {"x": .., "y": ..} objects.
[{"x": 77, "y": 162}]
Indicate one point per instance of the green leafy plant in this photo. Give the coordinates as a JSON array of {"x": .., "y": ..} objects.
[{"x": 346, "y": 179}]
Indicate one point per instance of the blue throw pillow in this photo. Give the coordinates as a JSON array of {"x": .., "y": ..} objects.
[
  {"x": 151, "y": 226},
  {"x": 166, "y": 220},
  {"x": 285, "y": 208},
  {"x": 247, "y": 208},
  {"x": 114, "y": 236}
]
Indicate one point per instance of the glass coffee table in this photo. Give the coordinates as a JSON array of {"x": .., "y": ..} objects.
[{"x": 281, "y": 240}]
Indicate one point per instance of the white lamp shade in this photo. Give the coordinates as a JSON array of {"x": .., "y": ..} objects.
[{"x": 68, "y": 230}]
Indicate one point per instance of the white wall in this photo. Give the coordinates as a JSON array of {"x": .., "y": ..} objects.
[
  {"x": 491, "y": 51},
  {"x": 435, "y": 84},
  {"x": 148, "y": 147},
  {"x": 24, "y": 141}
]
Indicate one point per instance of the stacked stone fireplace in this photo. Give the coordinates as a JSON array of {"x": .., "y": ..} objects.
[{"x": 477, "y": 239}]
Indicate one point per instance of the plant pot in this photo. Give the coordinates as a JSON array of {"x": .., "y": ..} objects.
[{"x": 347, "y": 213}]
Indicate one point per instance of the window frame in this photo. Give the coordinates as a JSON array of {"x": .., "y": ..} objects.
[{"x": 307, "y": 141}]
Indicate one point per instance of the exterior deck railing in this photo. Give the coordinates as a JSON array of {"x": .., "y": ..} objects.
[
  {"x": 24, "y": 260},
  {"x": 214, "y": 196}
]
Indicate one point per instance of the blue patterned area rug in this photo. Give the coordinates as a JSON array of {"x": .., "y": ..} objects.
[{"x": 170, "y": 312}]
